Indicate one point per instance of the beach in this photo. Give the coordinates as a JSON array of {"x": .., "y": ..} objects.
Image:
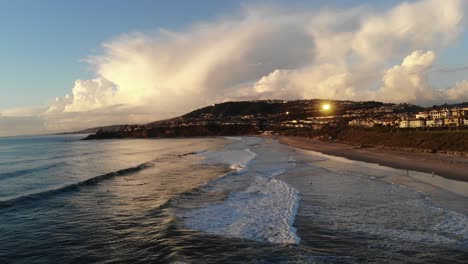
[{"x": 444, "y": 165}]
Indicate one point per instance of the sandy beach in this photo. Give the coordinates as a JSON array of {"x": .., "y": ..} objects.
[{"x": 444, "y": 165}]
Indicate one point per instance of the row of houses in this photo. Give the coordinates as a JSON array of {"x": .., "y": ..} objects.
[
  {"x": 439, "y": 122},
  {"x": 454, "y": 117},
  {"x": 371, "y": 122},
  {"x": 436, "y": 118}
]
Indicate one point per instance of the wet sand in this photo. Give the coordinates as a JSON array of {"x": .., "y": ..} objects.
[
  {"x": 444, "y": 191},
  {"x": 444, "y": 165}
]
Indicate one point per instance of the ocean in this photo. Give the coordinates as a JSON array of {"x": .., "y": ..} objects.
[{"x": 218, "y": 200}]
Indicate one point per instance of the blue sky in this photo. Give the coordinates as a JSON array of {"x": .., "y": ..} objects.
[{"x": 45, "y": 46}]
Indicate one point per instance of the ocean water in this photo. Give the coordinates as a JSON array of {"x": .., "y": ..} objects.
[{"x": 217, "y": 200}]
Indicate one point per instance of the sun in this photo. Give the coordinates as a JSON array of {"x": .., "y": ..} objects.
[{"x": 326, "y": 107}]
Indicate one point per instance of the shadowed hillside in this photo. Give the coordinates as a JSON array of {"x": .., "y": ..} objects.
[{"x": 304, "y": 118}]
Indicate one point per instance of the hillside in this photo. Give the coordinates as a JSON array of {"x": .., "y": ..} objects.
[
  {"x": 252, "y": 117},
  {"x": 305, "y": 118}
]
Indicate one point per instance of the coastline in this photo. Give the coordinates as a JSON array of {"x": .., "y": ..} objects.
[{"x": 444, "y": 165}]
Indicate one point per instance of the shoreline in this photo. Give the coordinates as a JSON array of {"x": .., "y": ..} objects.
[{"x": 443, "y": 165}]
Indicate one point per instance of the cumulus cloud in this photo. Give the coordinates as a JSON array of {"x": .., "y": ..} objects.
[
  {"x": 86, "y": 95},
  {"x": 458, "y": 92},
  {"x": 354, "y": 47},
  {"x": 266, "y": 52},
  {"x": 408, "y": 82},
  {"x": 91, "y": 94}
]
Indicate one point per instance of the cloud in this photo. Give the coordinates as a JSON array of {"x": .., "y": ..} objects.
[
  {"x": 21, "y": 125},
  {"x": 91, "y": 94},
  {"x": 354, "y": 48},
  {"x": 22, "y": 112},
  {"x": 408, "y": 82},
  {"x": 265, "y": 52},
  {"x": 458, "y": 92}
]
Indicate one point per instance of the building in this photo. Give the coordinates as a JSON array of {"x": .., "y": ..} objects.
[
  {"x": 422, "y": 115},
  {"x": 435, "y": 118},
  {"x": 459, "y": 112},
  {"x": 439, "y": 122},
  {"x": 387, "y": 123},
  {"x": 404, "y": 123},
  {"x": 465, "y": 112},
  {"x": 455, "y": 112},
  {"x": 431, "y": 123},
  {"x": 440, "y": 114},
  {"x": 414, "y": 123},
  {"x": 362, "y": 122},
  {"x": 452, "y": 121}
]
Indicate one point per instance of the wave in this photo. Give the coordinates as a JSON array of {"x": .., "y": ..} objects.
[
  {"x": 264, "y": 212},
  {"x": 65, "y": 156},
  {"x": 74, "y": 186},
  {"x": 49, "y": 158},
  {"x": 257, "y": 206},
  {"x": 237, "y": 159},
  {"x": 17, "y": 173}
]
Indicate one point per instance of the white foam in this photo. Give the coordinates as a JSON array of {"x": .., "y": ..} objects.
[
  {"x": 264, "y": 212},
  {"x": 233, "y": 138},
  {"x": 452, "y": 223},
  {"x": 259, "y": 207},
  {"x": 237, "y": 159}
]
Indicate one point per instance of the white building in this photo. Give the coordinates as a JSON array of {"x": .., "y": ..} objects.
[
  {"x": 431, "y": 123},
  {"x": 417, "y": 123},
  {"x": 361, "y": 122},
  {"x": 404, "y": 123},
  {"x": 440, "y": 114},
  {"x": 422, "y": 115}
]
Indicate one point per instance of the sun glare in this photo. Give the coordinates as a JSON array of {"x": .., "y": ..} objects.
[{"x": 326, "y": 107}]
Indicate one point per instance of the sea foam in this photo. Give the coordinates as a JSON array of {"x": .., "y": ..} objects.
[
  {"x": 264, "y": 210},
  {"x": 237, "y": 159},
  {"x": 237, "y": 155}
]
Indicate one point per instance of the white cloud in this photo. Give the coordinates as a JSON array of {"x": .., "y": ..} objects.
[
  {"x": 458, "y": 92},
  {"x": 86, "y": 95},
  {"x": 408, "y": 82},
  {"x": 90, "y": 95},
  {"x": 354, "y": 48}
]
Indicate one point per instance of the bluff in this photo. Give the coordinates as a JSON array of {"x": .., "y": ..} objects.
[{"x": 252, "y": 117}]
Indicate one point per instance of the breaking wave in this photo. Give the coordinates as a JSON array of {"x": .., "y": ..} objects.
[
  {"x": 264, "y": 212},
  {"x": 75, "y": 186},
  {"x": 261, "y": 208}
]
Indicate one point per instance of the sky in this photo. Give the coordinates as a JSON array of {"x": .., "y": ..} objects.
[{"x": 67, "y": 65}]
